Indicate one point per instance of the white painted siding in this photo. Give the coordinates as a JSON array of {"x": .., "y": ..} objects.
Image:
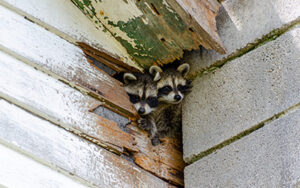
[
  {"x": 19, "y": 171},
  {"x": 64, "y": 19}
]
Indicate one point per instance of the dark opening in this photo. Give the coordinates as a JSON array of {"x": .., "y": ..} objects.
[
  {"x": 191, "y": 29},
  {"x": 154, "y": 9}
]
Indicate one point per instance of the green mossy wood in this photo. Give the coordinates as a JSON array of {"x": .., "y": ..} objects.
[{"x": 152, "y": 31}]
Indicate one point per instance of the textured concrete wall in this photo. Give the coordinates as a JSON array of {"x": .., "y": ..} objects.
[{"x": 241, "y": 122}]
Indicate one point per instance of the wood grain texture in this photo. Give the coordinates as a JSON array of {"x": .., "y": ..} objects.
[
  {"x": 61, "y": 59},
  {"x": 156, "y": 31},
  {"x": 69, "y": 108},
  {"x": 60, "y": 149},
  {"x": 59, "y": 103},
  {"x": 164, "y": 160},
  {"x": 15, "y": 169},
  {"x": 200, "y": 16},
  {"x": 64, "y": 19},
  {"x": 150, "y": 30}
]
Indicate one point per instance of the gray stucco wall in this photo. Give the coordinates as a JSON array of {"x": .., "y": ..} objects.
[{"x": 241, "y": 122}]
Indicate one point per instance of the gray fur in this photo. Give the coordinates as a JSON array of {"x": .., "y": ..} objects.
[
  {"x": 167, "y": 116},
  {"x": 165, "y": 119},
  {"x": 144, "y": 87}
]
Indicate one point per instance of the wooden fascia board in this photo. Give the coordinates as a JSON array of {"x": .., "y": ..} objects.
[
  {"x": 157, "y": 31},
  {"x": 200, "y": 16}
]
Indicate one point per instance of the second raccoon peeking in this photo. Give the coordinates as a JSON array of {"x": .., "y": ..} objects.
[{"x": 157, "y": 97}]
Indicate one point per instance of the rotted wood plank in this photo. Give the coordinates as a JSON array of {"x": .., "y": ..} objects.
[
  {"x": 200, "y": 16},
  {"x": 62, "y": 150},
  {"x": 69, "y": 108},
  {"x": 164, "y": 160},
  {"x": 15, "y": 167},
  {"x": 152, "y": 31},
  {"x": 61, "y": 59},
  {"x": 59, "y": 103},
  {"x": 64, "y": 19}
]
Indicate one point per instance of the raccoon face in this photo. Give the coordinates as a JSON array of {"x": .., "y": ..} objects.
[
  {"x": 142, "y": 92},
  {"x": 172, "y": 85}
]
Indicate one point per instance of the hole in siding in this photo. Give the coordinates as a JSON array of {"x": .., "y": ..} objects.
[
  {"x": 101, "y": 66},
  {"x": 110, "y": 115},
  {"x": 191, "y": 29},
  {"x": 154, "y": 9}
]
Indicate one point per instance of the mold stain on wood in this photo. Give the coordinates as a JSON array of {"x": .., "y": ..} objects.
[{"x": 151, "y": 30}]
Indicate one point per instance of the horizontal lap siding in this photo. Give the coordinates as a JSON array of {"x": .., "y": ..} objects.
[
  {"x": 59, "y": 149},
  {"x": 51, "y": 97},
  {"x": 61, "y": 59},
  {"x": 64, "y": 19}
]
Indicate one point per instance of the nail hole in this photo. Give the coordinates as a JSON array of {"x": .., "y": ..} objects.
[
  {"x": 191, "y": 29},
  {"x": 154, "y": 9}
]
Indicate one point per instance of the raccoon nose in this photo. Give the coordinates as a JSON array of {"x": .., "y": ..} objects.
[
  {"x": 177, "y": 97},
  {"x": 141, "y": 111}
]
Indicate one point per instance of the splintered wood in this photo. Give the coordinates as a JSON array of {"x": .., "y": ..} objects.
[
  {"x": 61, "y": 59},
  {"x": 55, "y": 147},
  {"x": 67, "y": 107},
  {"x": 50, "y": 82}
]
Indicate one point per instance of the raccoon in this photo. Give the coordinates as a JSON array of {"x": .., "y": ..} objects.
[
  {"x": 142, "y": 92},
  {"x": 172, "y": 86}
]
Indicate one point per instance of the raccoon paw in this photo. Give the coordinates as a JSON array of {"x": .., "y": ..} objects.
[
  {"x": 143, "y": 124},
  {"x": 155, "y": 141}
]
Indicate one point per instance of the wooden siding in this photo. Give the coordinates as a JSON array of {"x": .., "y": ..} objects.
[
  {"x": 49, "y": 53},
  {"x": 65, "y": 20},
  {"x": 55, "y": 147},
  {"x": 14, "y": 172},
  {"x": 45, "y": 74},
  {"x": 67, "y": 107}
]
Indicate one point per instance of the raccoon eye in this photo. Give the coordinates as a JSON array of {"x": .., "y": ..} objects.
[
  {"x": 165, "y": 90},
  {"x": 134, "y": 98},
  {"x": 184, "y": 89},
  {"x": 181, "y": 88},
  {"x": 152, "y": 102}
]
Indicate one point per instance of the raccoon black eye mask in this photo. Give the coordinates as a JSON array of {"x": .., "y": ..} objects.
[
  {"x": 165, "y": 90},
  {"x": 134, "y": 98},
  {"x": 186, "y": 88},
  {"x": 142, "y": 92},
  {"x": 152, "y": 102}
]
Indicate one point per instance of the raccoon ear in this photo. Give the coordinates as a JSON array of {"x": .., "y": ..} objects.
[
  {"x": 155, "y": 71},
  {"x": 184, "y": 69},
  {"x": 128, "y": 77}
]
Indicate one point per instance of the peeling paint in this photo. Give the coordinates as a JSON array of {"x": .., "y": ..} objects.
[
  {"x": 151, "y": 31},
  {"x": 125, "y": 11}
]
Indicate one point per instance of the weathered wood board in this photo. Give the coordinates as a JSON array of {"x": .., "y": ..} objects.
[
  {"x": 57, "y": 148},
  {"x": 59, "y": 103},
  {"x": 164, "y": 160},
  {"x": 61, "y": 59},
  {"x": 67, "y": 107},
  {"x": 19, "y": 171},
  {"x": 200, "y": 15},
  {"x": 153, "y": 31},
  {"x": 64, "y": 19}
]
